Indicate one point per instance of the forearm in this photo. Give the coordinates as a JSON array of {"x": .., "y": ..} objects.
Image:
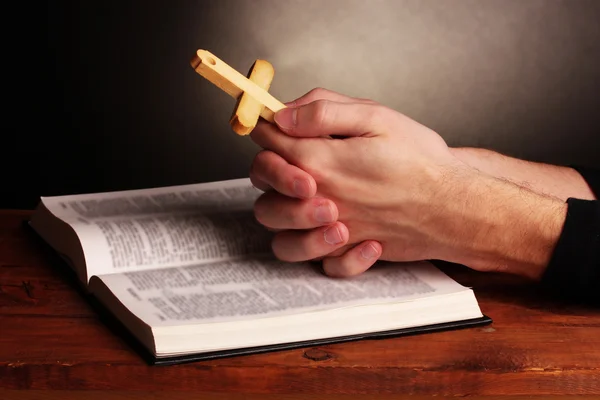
[
  {"x": 495, "y": 225},
  {"x": 551, "y": 180}
]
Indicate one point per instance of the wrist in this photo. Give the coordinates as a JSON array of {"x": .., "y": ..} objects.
[
  {"x": 494, "y": 225},
  {"x": 550, "y": 180},
  {"x": 483, "y": 160}
]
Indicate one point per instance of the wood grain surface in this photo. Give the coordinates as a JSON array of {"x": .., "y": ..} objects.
[{"x": 53, "y": 343}]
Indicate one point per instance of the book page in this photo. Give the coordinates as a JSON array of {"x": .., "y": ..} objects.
[
  {"x": 250, "y": 289},
  {"x": 163, "y": 227},
  {"x": 231, "y": 195}
]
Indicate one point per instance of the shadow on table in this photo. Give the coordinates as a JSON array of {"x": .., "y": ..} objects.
[{"x": 510, "y": 289}]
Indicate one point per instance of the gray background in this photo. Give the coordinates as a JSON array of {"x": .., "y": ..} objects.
[{"x": 518, "y": 76}]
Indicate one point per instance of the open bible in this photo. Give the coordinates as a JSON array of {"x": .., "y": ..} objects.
[{"x": 188, "y": 272}]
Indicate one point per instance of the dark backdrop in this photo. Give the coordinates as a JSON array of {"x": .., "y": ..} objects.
[{"x": 116, "y": 104}]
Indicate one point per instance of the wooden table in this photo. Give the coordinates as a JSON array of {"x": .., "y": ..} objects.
[{"x": 53, "y": 345}]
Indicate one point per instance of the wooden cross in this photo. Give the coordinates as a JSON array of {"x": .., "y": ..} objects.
[{"x": 251, "y": 91}]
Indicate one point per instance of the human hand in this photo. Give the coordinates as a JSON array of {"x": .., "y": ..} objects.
[
  {"x": 298, "y": 208},
  {"x": 374, "y": 158},
  {"x": 392, "y": 182}
]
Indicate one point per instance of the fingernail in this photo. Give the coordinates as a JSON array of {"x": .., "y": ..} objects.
[
  {"x": 369, "y": 251},
  {"x": 286, "y": 118},
  {"x": 333, "y": 235},
  {"x": 301, "y": 188},
  {"x": 323, "y": 213}
]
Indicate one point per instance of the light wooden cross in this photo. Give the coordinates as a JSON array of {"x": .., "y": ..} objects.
[{"x": 251, "y": 92}]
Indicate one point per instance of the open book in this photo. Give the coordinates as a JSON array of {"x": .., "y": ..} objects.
[{"x": 188, "y": 272}]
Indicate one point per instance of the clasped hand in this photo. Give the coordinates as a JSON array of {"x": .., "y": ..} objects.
[{"x": 349, "y": 181}]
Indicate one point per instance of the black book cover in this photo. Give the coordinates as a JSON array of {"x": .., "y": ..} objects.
[
  {"x": 119, "y": 329},
  {"x": 320, "y": 342}
]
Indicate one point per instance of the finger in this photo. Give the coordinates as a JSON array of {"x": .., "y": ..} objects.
[
  {"x": 336, "y": 253},
  {"x": 259, "y": 184},
  {"x": 354, "y": 262},
  {"x": 269, "y": 137},
  {"x": 315, "y": 120},
  {"x": 296, "y": 246},
  {"x": 324, "y": 94},
  {"x": 276, "y": 211},
  {"x": 270, "y": 170},
  {"x": 325, "y": 117}
]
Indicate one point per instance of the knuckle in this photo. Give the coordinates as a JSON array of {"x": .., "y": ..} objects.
[
  {"x": 377, "y": 115},
  {"x": 258, "y": 162},
  {"x": 298, "y": 155},
  {"x": 265, "y": 166},
  {"x": 310, "y": 162},
  {"x": 320, "y": 112},
  {"x": 317, "y": 93},
  {"x": 368, "y": 101},
  {"x": 262, "y": 157},
  {"x": 260, "y": 209}
]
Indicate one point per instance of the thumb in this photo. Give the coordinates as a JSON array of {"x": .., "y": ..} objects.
[{"x": 326, "y": 117}]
